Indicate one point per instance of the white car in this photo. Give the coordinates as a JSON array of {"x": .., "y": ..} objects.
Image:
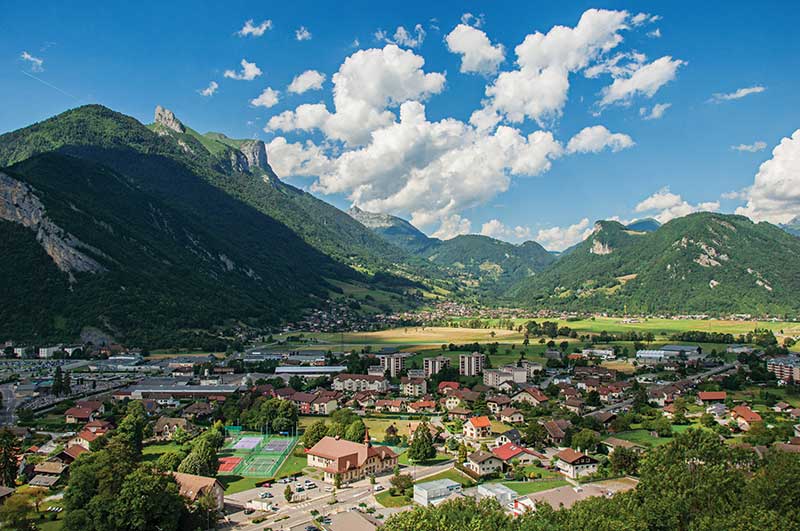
[{"x": 378, "y": 488}]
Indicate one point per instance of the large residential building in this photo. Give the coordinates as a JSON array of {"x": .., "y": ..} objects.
[
  {"x": 495, "y": 377},
  {"x": 413, "y": 386},
  {"x": 433, "y": 365},
  {"x": 360, "y": 382},
  {"x": 471, "y": 364},
  {"x": 192, "y": 487},
  {"x": 601, "y": 353},
  {"x": 350, "y": 461},
  {"x": 575, "y": 464},
  {"x": 393, "y": 363},
  {"x": 786, "y": 368}
]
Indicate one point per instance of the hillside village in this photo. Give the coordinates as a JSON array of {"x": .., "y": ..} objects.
[{"x": 381, "y": 429}]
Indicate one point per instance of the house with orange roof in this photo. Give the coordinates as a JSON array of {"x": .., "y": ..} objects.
[
  {"x": 477, "y": 428},
  {"x": 510, "y": 451},
  {"x": 530, "y": 395},
  {"x": 744, "y": 416},
  {"x": 710, "y": 397}
]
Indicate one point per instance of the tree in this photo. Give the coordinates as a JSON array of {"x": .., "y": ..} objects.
[
  {"x": 132, "y": 425},
  {"x": 401, "y": 484},
  {"x": 9, "y": 452},
  {"x": 14, "y": 513},
  {"x": 66, "y": 386},
  {"x": 57, "y": 387},
  {"x": 707, "y": 420},
  {"x": 593, "y": 398},
  {"x": 147, "y": 500},
  {"x": 422, "y": 447},
  {"x": 288, "y": 493},
  {"x": 679, "y": 416},
  {"x": 535, "y": 435},
  {"x": 586, "y": 441},
  {"x": 170, "y": 461},
  {"x": 356, "y": 431},
  {"x": 337, "y": 481},
  {"x": 201, "y": 461},
  {"x": 624, "y": 461},
  {"x": 314, "y": 433}
]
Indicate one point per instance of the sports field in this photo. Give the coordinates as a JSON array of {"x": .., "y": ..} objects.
[{"x": 255, "y": 455}]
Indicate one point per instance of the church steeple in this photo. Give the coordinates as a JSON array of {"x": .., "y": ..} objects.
[{"x": 367, "y": 438}]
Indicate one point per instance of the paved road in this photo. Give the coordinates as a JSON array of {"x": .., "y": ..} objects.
[
  {"x": 7, "y": 413},
  {"x": 346, "y": 498}
]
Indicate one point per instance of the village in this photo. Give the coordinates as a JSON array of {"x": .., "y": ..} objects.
[{"x": 336, "y": 439}]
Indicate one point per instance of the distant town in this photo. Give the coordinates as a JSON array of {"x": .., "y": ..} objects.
[{"x": 323, "y": 428}]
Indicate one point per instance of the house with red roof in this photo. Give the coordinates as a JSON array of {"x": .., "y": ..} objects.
[
  {"x": 744, "y": 416},
  {"x": 710, "y": 397},
  {"x": 510, "y": 451},
  {"x": 446, "y": 387},
  {"x": 530, "y": 395},
  {"x": 76, "y": 415},
  {"x": 477, "y": 428}
]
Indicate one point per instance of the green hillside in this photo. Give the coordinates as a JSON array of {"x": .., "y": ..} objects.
[
  {"x": 169, "y": 262},
  {"x": 701, "y": 263},
  {"x": 395, "y": 230}
]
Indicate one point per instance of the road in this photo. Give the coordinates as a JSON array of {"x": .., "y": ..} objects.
[
  {"x": 7, "y": 413},
  {"x": 299, "y": 514}
]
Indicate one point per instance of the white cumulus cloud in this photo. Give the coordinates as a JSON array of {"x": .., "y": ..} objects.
[
  {"x": 302, "y": 34},
  {"x": 296, "y": 159},
  {"x": 597, "y": 138},
  {"x": 452, "y": 226},
  {"x": 646, "y": 81},
  {"x": 665, "y": 206},
  {"x": 268, "y": 98},
  {"x": 560, "y": 238},
  {"x": 654, "y": 113},
  {"x": 775, "y": 193},
  {"x": 366, "y": 85},
  {"x": 495, "y": 228},
  {"x": 478, "y": 54},
  {"x": 308, "y": 80},
  {"x": 719, "y": 97},
  {"x": 209, "y": 90},
  {"x": 538, "y": 88},
  {"x": 250, "y": 29},
  {"x": 248, "y": 73}
]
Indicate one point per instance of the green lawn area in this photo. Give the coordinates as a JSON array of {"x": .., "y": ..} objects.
[
  {"x": 294, "y": 464},
  {"x": 528, "y": 487},
  {"x": 154, "y": 451},
  {"x": 234, "y": 484},
  {"x": 386, "y": 499},
  {"x": 544, "y": 473},
  {"x": 439, "y": 459},
  {"x": 452, "y": 474}
]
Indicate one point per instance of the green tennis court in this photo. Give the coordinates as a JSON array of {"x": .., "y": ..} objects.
[{"x": 261, "y": 455}]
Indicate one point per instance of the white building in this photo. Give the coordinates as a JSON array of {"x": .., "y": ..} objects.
[
  {"x": 360, "y": 382},
  {"x": 471, "y": 364},
  {"x": 494, "y": 377},
  {"x": 394, "y": 363},
  {"x": 519, "y": 375},
  {"x": 601, "y": 353},
  {"x": 498, "y": 491},
  {"x": 434, "y": 365},
  {"x": 435, "y": 492}
]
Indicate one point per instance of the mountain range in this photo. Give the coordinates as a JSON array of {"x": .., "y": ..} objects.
[{"x": 159, "y": 235}]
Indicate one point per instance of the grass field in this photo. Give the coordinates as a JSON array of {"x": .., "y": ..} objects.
[
  {"x": 386, "y": 499},
  {"x": 529, "y": 487},
  {"x": 451, "y": 474},
  {"x": 438, "y": 460}
]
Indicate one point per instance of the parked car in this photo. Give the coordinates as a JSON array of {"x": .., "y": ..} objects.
[
  {"x": 378, "y": 488},
  {"x": 264, "y": 495},
  {"x": 249, "y": 511},
  {"x": 311, "y": 485}
]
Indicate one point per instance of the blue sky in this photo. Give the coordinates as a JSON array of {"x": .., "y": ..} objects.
[{"x": 433, "y": 166}]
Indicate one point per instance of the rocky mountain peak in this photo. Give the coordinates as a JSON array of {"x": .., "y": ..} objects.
[
  {"x": 255, "y": 152},
  {"x": 168, "y": 119}
]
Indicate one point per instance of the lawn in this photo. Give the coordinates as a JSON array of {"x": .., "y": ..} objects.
[
  {"x": 529, "y": 487},
  {"x": 643, "y": 437},
  {"x": 452, "y": 474},
  {"x": 234, "y": 484},
  {"x": 386, "y": 499},
  {"x": 438, "y": 460},
  {"x": 154, "y": 451}
]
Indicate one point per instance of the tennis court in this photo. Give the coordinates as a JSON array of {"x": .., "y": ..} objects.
[
  {"x": 228, "y": 464},
  {"x": 255, "y": 455}
]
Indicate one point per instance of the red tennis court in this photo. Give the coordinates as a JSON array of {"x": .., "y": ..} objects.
[{"x": 227, "y": 464}]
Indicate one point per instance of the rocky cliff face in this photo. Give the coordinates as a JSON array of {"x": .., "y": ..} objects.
[
  {"x": 239, "y": 161},
  {"x": 255, "y": 152},
  {"x": 19, "y": 204},
  {"x": 168, "y": 119}
]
